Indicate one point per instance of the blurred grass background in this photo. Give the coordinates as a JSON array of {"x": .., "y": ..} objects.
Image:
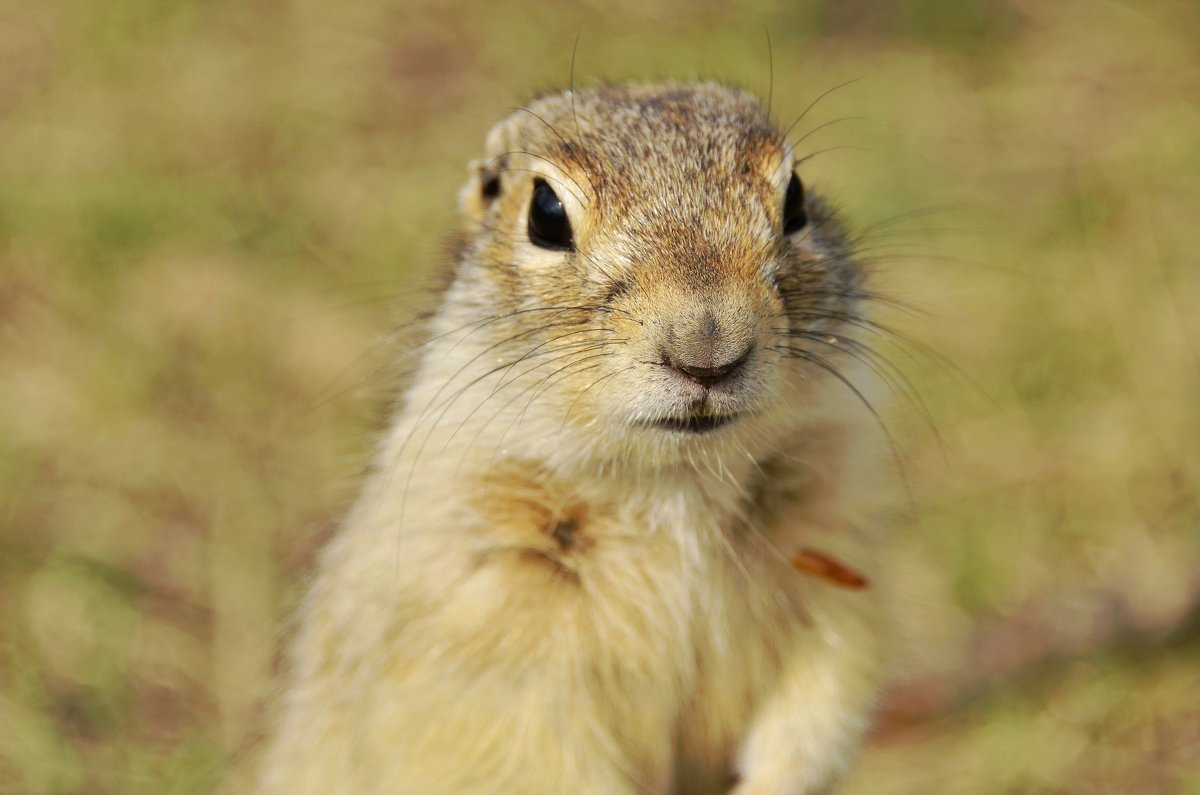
[{"x": 211, "y": 214}]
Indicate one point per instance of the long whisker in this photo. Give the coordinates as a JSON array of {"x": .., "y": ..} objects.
[
  {"x": 813, "y": 104},
  {"x": 433, "y": 401},
  {"x": 820, "y": 127},
  {"x": 585, "y": 390},
  {"x": 912, "y": 347},
  {"x": 543, "y": 382},
  {"x": 914, "y": 214},
  {"x": 571, "y": 81},
  {"x": 516, "y": 169},
  {"x": 808, "y": 356},
  {"x": 900, "y": 384},
  {"x": 589, "y": 346},
  {"x": 534, "y": 349},
  {"x": 566, "y": 145},
  {"x": 504, "y": 406}
]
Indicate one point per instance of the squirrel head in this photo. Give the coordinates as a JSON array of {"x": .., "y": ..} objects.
[{"x": 651, "y": 258}]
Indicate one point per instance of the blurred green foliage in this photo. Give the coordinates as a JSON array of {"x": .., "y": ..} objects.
[{"x": 212, "y": 214}]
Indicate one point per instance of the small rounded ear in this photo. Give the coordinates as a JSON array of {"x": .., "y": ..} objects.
[
  {"x": 481, "y": 189},
  {"x": 483, "y": 178}
]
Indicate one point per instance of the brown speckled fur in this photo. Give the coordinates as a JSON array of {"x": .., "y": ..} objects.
[{"x": 541, "y": 590}]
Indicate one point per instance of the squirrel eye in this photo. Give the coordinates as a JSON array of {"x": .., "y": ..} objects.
[
  {"x": 548, "y": 224},
  {"x": 794, "y": 217}
]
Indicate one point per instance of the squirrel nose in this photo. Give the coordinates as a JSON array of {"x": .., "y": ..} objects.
[{"x": 709, "y": 374}]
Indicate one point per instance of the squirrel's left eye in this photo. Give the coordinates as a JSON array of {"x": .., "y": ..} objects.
[
  {"x": 794, "y": 217},
  {"x": 548, "y": 223}
]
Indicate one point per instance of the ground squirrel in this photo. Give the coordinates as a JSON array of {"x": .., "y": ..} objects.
[{"x": 638, "y": 426}]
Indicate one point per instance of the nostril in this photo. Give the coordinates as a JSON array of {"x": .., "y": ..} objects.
[{"x": 708, "y": 376}]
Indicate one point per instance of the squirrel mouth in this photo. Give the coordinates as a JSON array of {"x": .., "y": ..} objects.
[{"x": 694, "y": 423}]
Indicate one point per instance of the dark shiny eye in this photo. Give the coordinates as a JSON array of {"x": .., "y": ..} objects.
[
  {"x": 794, "y": 217},
  {"x": 548, "y": 224}
]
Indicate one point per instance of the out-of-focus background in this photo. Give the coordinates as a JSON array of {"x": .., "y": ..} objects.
[{"x": 212, "y": 214}]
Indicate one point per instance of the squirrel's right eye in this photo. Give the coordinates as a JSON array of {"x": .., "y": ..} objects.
[{"x": 548, "y": 223}]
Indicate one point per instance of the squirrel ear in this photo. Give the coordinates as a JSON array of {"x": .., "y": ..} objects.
[
  {"x": 483, "y": 179},
  {"x": 482, "y": 187}
]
